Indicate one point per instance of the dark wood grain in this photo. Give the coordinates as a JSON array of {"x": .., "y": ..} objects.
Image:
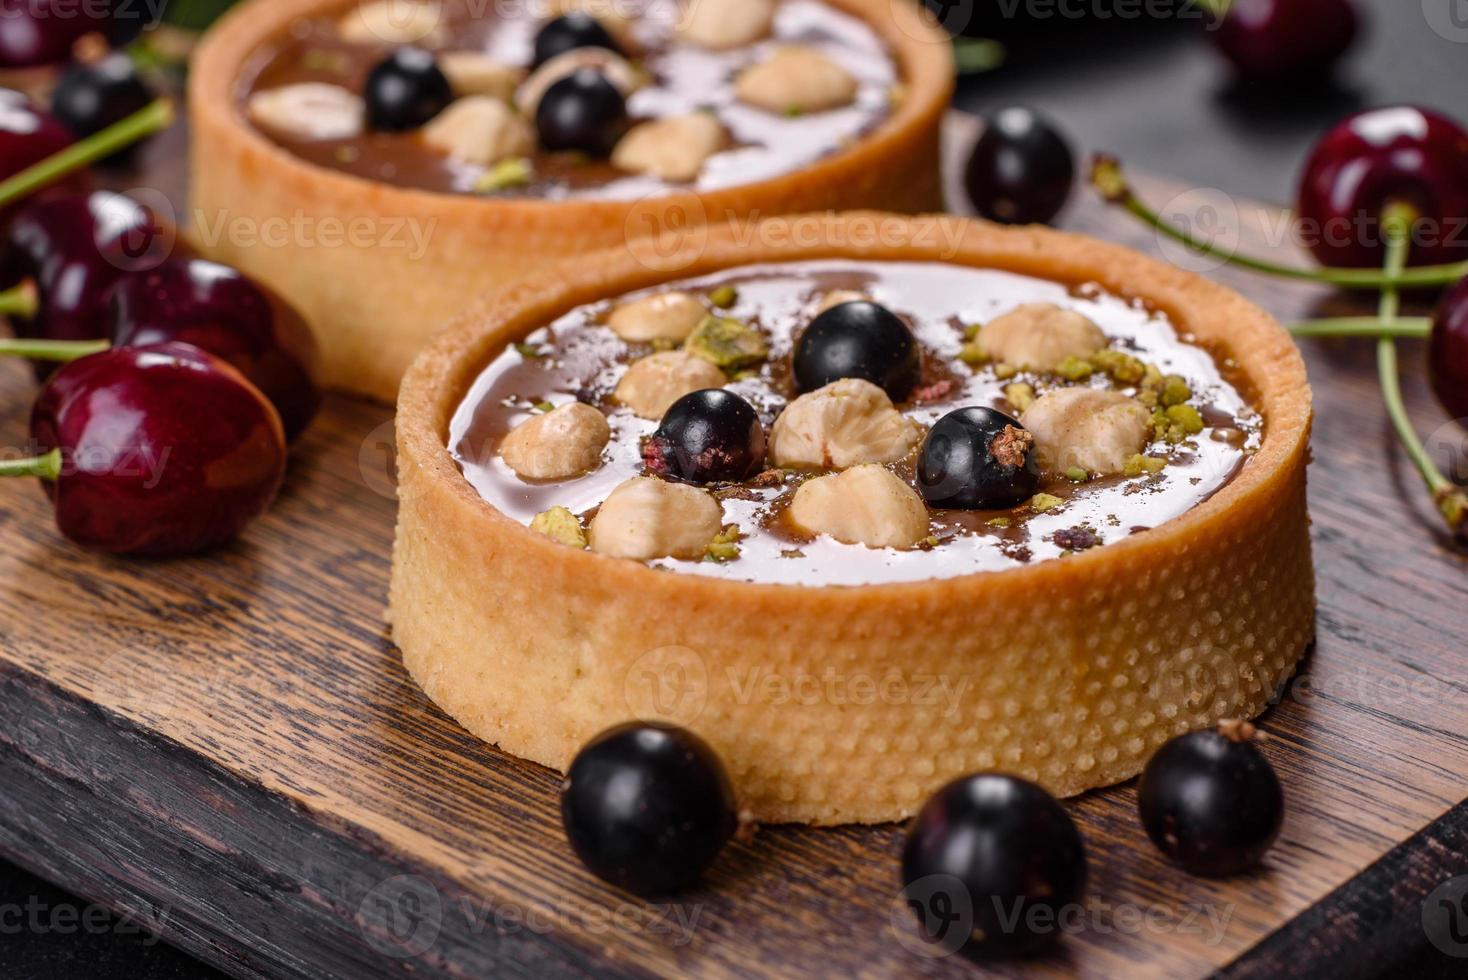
[{"x": 228, "y": 748}]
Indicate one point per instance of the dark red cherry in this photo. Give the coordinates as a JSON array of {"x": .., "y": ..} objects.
[
  {"x": 28, "y": 136},
  {"x": 42, "y": 32},
  {"x": 90, "y": 96},
  {"x": 1372, "y": 159},
  {"x": 222, "y": 311},
  {"x": 568, "y": 32},
  {"x": 75, "y": 248},
  {"x": 1274, "y": 39},
  {"x": 1021, "y": 169},
  {"x": 582, "y": 112},
  {"x": 1447, "y": 351},
  {"x": 165, "y": 450}
]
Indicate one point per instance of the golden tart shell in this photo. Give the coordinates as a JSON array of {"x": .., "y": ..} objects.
[
  {"x": 374, "y": 304},
  {"x": 1072, "y": 670}
]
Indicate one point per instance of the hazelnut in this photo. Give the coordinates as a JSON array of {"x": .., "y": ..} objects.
[
  {"x": 722, "y": 24},
  {"x": 394, "y": 22},
  {"x": 795, "y": 80},
  {"x": 648, "y": 518},
  {"x": 613, "y": 67},
  {"x": 847, "y": 422},
  {"x": 562, "y": 443},
  {"x": 1087, "y": 429},
  {"x": 308, "y": 111},
  {"x": 479, "y": 129},
  {"x": 669, "y": 316},
  {"x": 473, "y": 73},
  {"x": 654, "y": 382},
  {"x": 671, "y": 149},
  {"x": 838, "y": 296},
  {"x": 866, "y": 505},
  {"x": 1040, "y": 337}
]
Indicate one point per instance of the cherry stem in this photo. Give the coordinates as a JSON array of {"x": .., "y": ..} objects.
[
  {"x": 46, "y": 466},
  {"x": 1405, "y": 327},
  {"x": 20, "y": 300},
  {"x": 150, "y": 119},
  {"x": 51, "y": 350},
  {"x": 1110, "y": 181}
]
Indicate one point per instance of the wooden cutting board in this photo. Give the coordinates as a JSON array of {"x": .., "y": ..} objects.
[{"x": 228, "y": 750}]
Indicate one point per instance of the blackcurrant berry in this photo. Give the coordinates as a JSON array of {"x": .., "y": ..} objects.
[
  {"x": 582, "y": 111},
  {"x": 858, "y": 339},
  {"x": 977, "y": 459},
  {"x": 1021, "y": 169},
  {"x": 996, "y": 858},
  {"x": 91, "y": 97},
  {"x": 1210, "y": 800},
  {"x": 647, "y": 806},
  {"x": 708, "y": 436},
  {"x": 405, "y": 90},
  {"x": 569, "y": 32}
]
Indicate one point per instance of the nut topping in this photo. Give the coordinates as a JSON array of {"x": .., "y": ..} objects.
[
  {"x": 612, "y": 66},
  {"x": 838, "y": 296},
  {"x": 667, "y": 316},
  {"x": 723, "y": 24},
  {"x": 560, "y": 444},
  {"x": 672, "y": 149},
  {"x": 309, "y": 111},
  {"x": 795, "y": 80},
  {"x": 479, "y": 129},
  {"x": 472, "y": 73},
  {"x": 646, "y": 518},
  {"x": 847, "y": 422},
  {"x": 865, "y": 505},
  {"x": 654, "y": 382},
  {"x": 1087, "y": 429},
  {"x": 1040, "y": 337},
  {"x": 394, "y": 22}
]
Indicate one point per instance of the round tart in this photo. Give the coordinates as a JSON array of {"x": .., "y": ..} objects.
[
  {"x": 1051, "y": 514},
  {"x": 382, "y": 163}
]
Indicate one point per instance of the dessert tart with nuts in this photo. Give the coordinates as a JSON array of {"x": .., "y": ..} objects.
[
  {"x": 382, "y": 163},
  {"x": 865, "y": 516}
]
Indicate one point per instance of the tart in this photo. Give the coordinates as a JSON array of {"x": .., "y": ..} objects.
[
  {"x": 1124, "y": 556},
  {"x": 381, "y": 198}
]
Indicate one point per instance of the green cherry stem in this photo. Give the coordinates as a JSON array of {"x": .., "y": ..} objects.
[
  {"x": 46, "y": 466},
  {"x": 1111, "y": 183},
  {"x": 51, "y": 350},
  {"x": 147, "y": 120},
  {"x": 1396, "y": 221},
  {"x": 20, "y": 300},
  {"x": 1405, "y": 327}
]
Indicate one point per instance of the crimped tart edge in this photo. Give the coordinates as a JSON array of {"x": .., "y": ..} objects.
[
  {"x": 1069, "y": 671},
  {"x": 374, "y": 303}
]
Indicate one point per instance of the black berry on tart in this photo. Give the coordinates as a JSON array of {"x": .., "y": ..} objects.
[
  {"x": 1058, "y": 476},
  {"x": 511, "y": 138}
]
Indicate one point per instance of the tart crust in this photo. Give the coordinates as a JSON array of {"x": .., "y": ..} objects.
[
  {"x": 1068, "y": 671},
  {"x": 376, "y": 297}
]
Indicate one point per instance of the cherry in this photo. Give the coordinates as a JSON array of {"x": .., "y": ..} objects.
[
  {"x": 977, "y": 459},
  {"x": 708, "y": 436},
  {"x": 859, "y": 339},
  {"x": 647, "y": 806},
  {"x": 1210, "y": 800},
  {"x": 568, "y": 32},
  {"x": 28, "y": 136},
  {"x": 1399, "y": 154},
  {"x": 75, "y": 248},
  {"x": 1021, "y": 169},
  {"x": 582, "y": 111},
  {"x": 89, "y": 97},
  {"x": 995, "y": 858},
  {"x": 405, "y": 90},
  {"x": 1275, "y": 39},
  {"x": 220, "y": 310},
  {"x": 1447, "y": 351},
  {"x": 159, "y": 450},
  {"x": 42, "y": 32}
]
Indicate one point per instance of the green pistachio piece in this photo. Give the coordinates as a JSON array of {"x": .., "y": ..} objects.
[
  {"x": 1077, "y": 475},
  {"x": 1075, "y": 369},
  {"x": 1041, "y": 502},
  {"x": 973, "y": 354},
  {"x": 559, "y": 524},
  {"x": 1174, "y": 391},
  {"x": 1020, "y": 395},
  {"x": 725, "y": 545},
  {"x": 724, "y": 296},
  {"x": 1186, "y": 417},
  {"x": 727, "y": 342},
  {"x": 1138, "y": 465},
  {"x": 515, "y": 172}
]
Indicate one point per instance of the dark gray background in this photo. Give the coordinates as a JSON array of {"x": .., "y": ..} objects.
[{"x": 1152, "y": 92}]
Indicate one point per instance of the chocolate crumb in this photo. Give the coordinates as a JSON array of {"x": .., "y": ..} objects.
[
  {"x": 1010, "y": 446},
  {"x": 1076, "y": 538}
]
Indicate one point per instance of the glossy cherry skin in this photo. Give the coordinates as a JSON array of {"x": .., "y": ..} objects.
[
  {"x": 1210, "y": 803},
  {"x": 1021, "y": 169},
  {"x": 708, "y": 436},
  {"x": 28, "y": 136},
  {"x": 75, "y": 248},
  {"x": 42, "y": 32},
  {"x": 1001, "y": 850},
  {"x": 858, "y": 339},
  {"x": 1396, "y": 154},
  {"x": 405, "y": 90},
  {"x": 647, "y": 806},
  {"x": 977, "y": 458},
  {"x": 1447, "y": 351},
  {"x": 89, "y": 97},
  {"x": 165, "y": 450},
  {"x": 569, "y": 32},
  {"x": 582, "y": 112},
  {"x": 225, "y": 313},
  {"x": 1276, "y": 39}
]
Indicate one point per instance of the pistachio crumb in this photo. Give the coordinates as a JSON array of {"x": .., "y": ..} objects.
[
  {"x": 930, "y": 542},
  {"x": 971, "y": 332},
  {"x": 1075, "y": 368},
  {"x": 1042, "y": 502},
  {"x": 725, "y": 544},
  {"x": 1077, "y": 475},
  {"x": 727, "y": 342},
  {"x": 791, "y": 553},
  {"x": 724, "y": 296},
  {"x": 1187, "y": 417},
  {"x": 1120, "y": 366},
  {"x": 1005, "y": 371},
  {"x": 1139, "y": 464},
  {"x": 529, "y": 351},
  {"x": 559, "y": 524},
  {"x": 973, "y": 354},
  {"x": 514, "y": 172},
  {"x": 1020, "y": 395},
  {"x": 544, "y": 406},
  {"x": 999, "y": 522},
  {"x": 1174, "y": 391}
]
